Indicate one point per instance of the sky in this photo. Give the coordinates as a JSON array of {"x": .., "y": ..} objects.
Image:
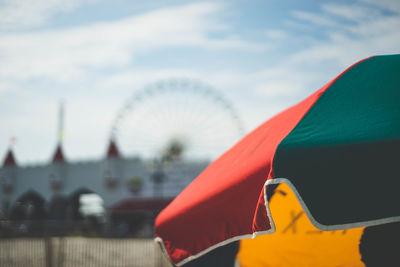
[{"x": 94, "y": 55}]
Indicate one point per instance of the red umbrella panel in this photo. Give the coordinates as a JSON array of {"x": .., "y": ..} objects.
[{"x": 334, "y": 149}]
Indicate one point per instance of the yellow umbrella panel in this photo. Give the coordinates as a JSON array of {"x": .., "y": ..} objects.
[{"x": 297, "y": 242}]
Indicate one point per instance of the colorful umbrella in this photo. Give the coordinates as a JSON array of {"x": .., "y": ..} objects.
[{"x": 336, "y": 150}]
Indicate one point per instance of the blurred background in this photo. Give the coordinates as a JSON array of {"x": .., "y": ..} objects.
[{"x": 109, "y": 109}]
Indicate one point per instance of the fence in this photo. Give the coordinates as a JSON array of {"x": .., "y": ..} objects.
[{"x": 80, "y": 252}]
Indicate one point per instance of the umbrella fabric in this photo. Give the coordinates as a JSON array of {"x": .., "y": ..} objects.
[
  {"x": 337, "y": 150},
  {"x": 297, "y": 242}
]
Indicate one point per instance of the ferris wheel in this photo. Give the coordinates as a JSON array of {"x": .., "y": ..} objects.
[{"x": 178, "y": 118}]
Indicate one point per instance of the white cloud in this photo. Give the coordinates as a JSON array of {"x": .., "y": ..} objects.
[
  {"x": 7, "y": 86},
  {"x": 276, "y": 34},
  {"x": 315, "y": 19},
  {"x": 371, "y": 32},
  {"x": 16, "y": 14},
  {"x": 353, "y": 12},
  {"x": 68, "y": 54},
  {"x": 391, "y": 5},
  {"x": 355, "y": 42}
]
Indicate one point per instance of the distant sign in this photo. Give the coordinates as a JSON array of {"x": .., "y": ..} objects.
[{"x": 91, "y": 205}]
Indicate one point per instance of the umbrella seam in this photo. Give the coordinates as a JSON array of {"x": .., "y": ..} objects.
[
  {"x": 160, "y": 241},
  {"x": 311, "y": 218}
]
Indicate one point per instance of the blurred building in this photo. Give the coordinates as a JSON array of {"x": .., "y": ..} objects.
[{"x": 127, "y": 186}]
